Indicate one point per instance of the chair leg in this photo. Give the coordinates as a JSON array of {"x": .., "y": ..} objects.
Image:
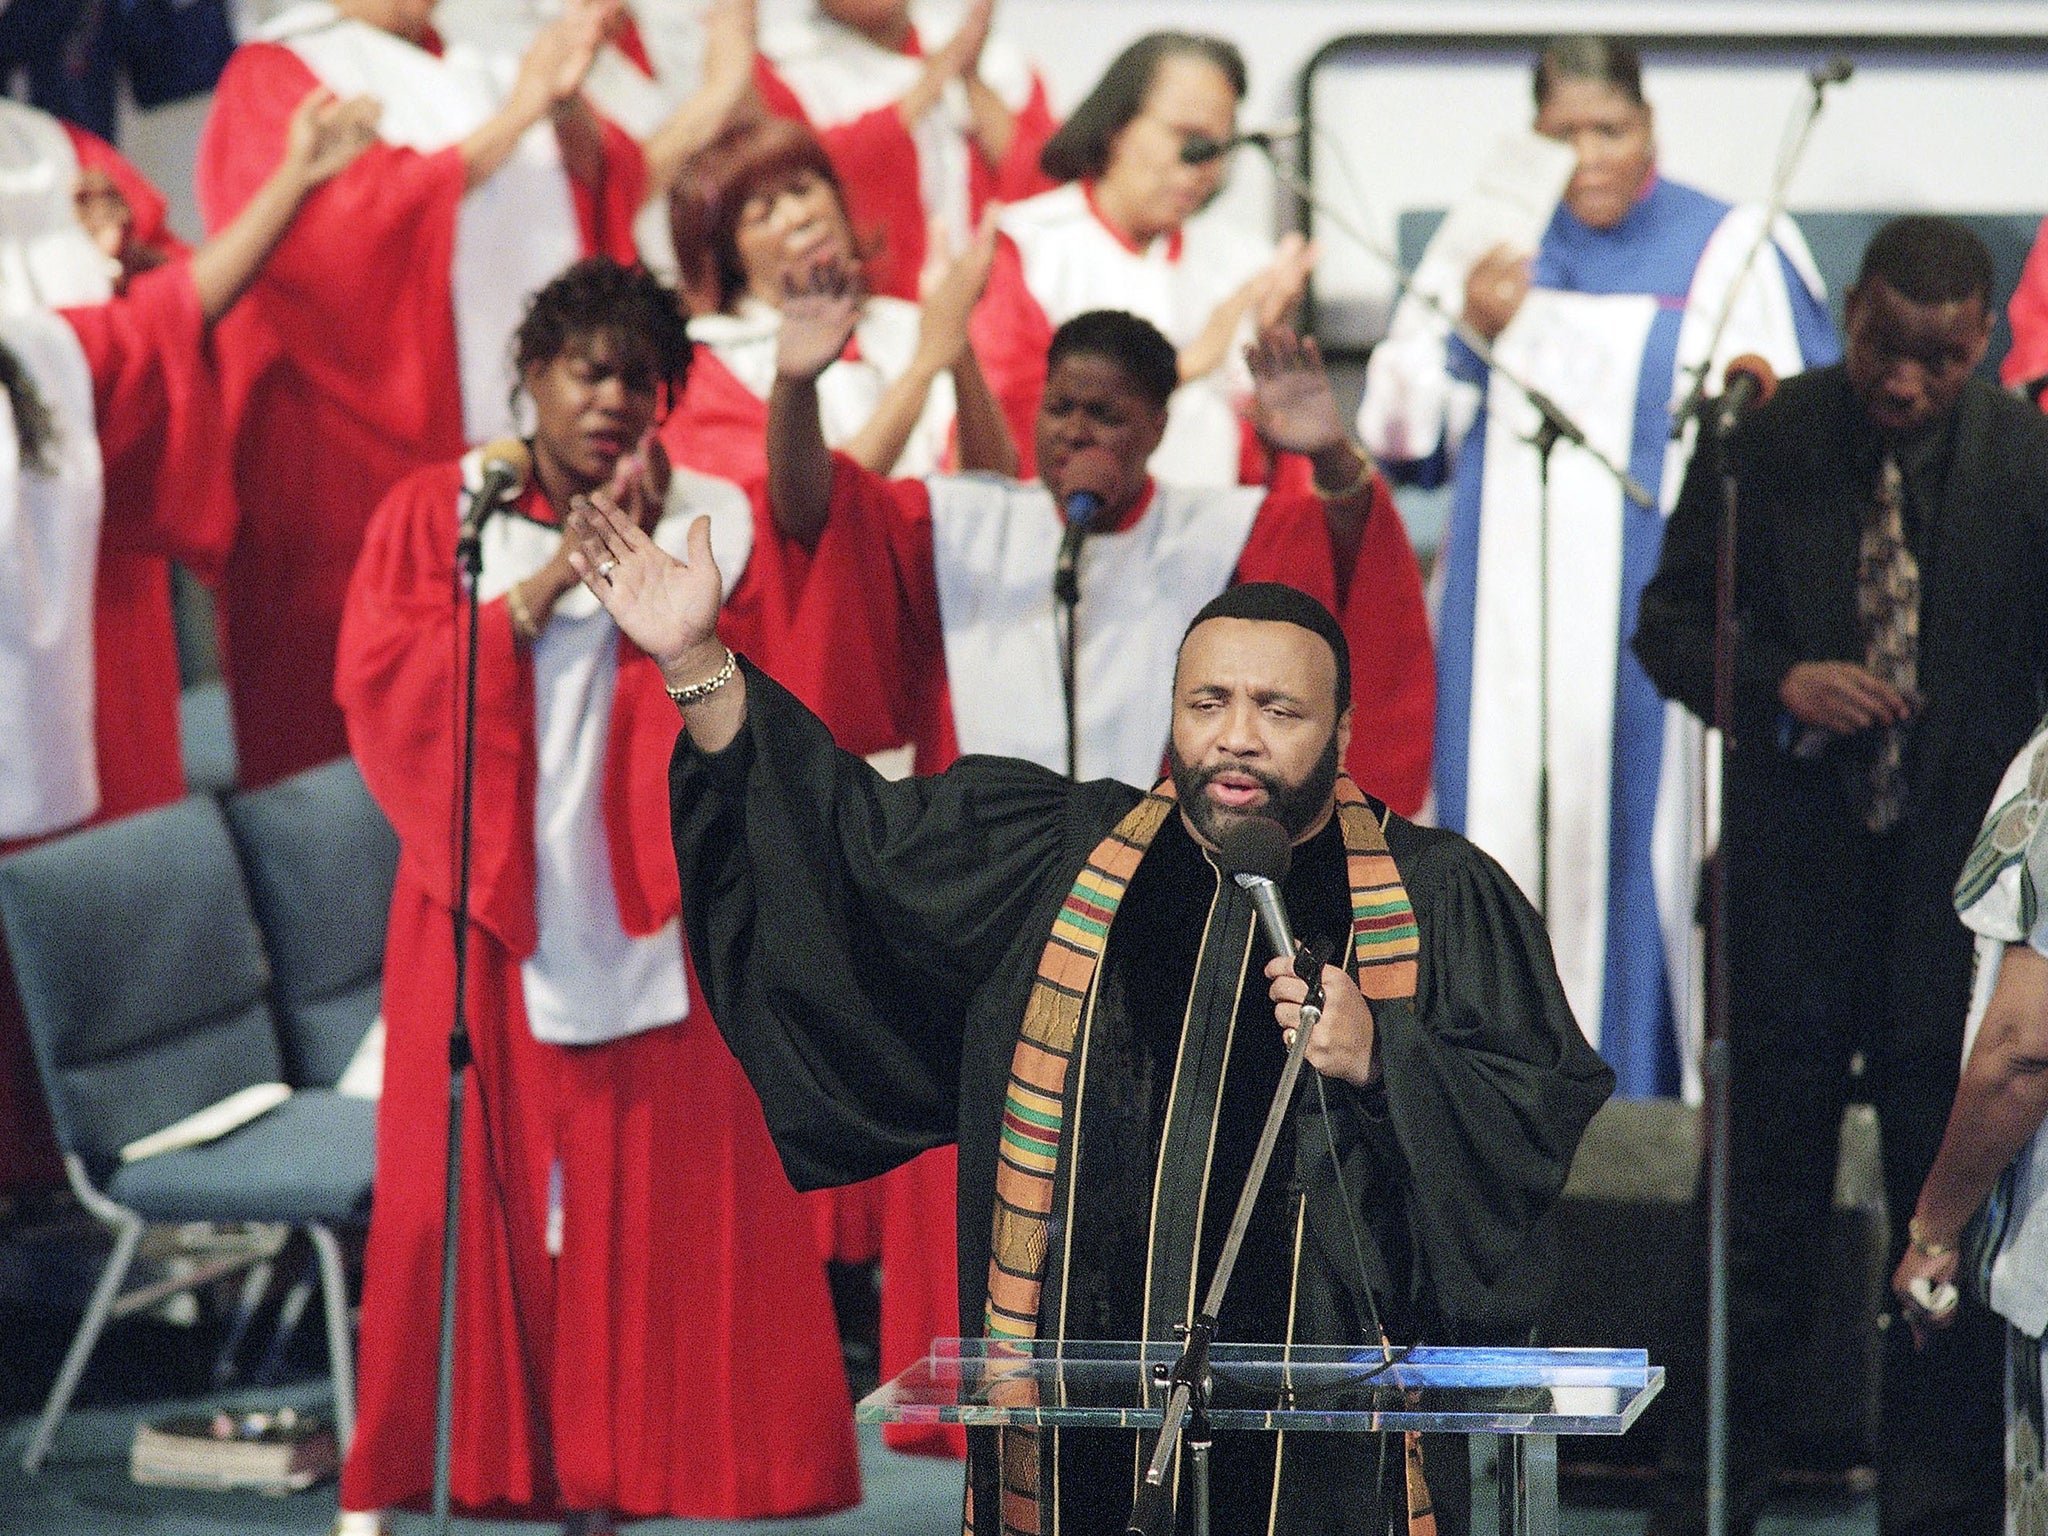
[
  {"x": 341, "y": 1349},
  {"x": 128, "y": 1228}
]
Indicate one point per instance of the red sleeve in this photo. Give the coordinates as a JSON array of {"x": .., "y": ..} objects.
[
  {"x": 1010, "y": 333},
  {"x": 720, "y": 427},
  {"x": 358, "y": 293},
  {"x": 148, "y": 206},
  {"x": 627, "y": 39},
  {"x": 775, "y": 94},
  {"x": 863, "y": 649},
  {"x": 605, "y": 213},
  {"x": 157, "y": 412},
  {"x": 2028, "y": 359},
  {"x": 877, "y": 162},
  {"x": 1379, "y": 603},
  {"x": 399, "y": 679},
  {"x": 1020, "y": 175}
]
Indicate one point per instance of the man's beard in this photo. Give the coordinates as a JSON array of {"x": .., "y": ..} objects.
[{"x": 1295, "y": 806}]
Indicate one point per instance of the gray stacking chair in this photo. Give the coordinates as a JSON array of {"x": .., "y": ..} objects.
[
  {"x": 144, "y": 982},
  {"x": 320, "y": 860}
]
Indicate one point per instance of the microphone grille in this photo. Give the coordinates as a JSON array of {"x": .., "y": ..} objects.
[
  {"x": 510, "y": 452},
  {"x": 1751, "y": 366},
  {"x": 1257, "y": 845}
]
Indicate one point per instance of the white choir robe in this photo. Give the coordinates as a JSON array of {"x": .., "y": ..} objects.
[
  {"x": 1059, "y": 260},
  {"x": 1614, "y": 330}
]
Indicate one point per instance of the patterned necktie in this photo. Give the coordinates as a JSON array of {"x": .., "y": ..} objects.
[{"x": 1888, "y": 609}]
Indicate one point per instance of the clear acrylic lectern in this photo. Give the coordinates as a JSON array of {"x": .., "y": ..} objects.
[{"x": 1524, "y": 1398}]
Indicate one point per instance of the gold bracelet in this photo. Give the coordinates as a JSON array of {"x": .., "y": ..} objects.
[
  {"x": 697, "y": 693},
  {"x": 1364, "y": 462},
  {"x": 522, "y": 616},
  {"x": 1924, "y": 1245}
]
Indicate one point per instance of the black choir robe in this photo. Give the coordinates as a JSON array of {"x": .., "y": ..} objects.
[{"x": 868, "y": 948}]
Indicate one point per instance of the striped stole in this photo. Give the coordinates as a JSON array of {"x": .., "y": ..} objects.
[{"x": 1384, "y": 947}]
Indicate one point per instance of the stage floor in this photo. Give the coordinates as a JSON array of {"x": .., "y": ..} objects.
[{"x": 84, "y": 1490}]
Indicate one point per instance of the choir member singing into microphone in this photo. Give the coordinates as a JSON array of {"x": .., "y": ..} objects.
[
  {"x": 1138, "y": 159},
  {"x": 642, "y": 1324},
  {"x": 375, "y": 344}
]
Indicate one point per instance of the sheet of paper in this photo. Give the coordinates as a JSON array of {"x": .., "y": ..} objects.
[
  {"x": 210, "y": 1123},
  {"x": 1510, "y": 204}
]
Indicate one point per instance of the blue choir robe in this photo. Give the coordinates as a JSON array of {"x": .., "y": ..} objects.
[{"x": 1613, "y": 330}]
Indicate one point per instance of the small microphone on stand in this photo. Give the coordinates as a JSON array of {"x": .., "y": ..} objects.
[
  {"x": 1833, "y": 72},
  {"x": 1089, "y": 477},
  {"x": 1080, "y": 510},
  {"x": 505, "y": 464},
  {"x": 1746, "y": 384},
  {"x": 1200, "y": 149}
]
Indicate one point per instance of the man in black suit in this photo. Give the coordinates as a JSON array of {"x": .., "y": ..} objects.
[{"x": 1892, "y": 656}]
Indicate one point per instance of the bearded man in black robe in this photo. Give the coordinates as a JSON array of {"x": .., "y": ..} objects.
[{"x": 1057, "y": 977}]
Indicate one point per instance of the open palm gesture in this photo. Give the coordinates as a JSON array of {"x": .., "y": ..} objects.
[
  {"x": 1292, "y": 403},
  {"x": 667, "y": 607},
  {"x": 820, "y": 307}
]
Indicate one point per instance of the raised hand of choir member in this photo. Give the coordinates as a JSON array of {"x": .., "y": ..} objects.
[
  {"x": 927, "y": 116},
  {"x": 763, "y": 215}
]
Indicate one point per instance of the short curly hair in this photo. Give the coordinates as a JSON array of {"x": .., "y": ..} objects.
[
  {"x": 600, "y": 297},
  {"x": 1135, "y": 345}
]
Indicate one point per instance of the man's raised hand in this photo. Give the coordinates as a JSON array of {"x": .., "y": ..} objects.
[{"x": 667, "y": 607}]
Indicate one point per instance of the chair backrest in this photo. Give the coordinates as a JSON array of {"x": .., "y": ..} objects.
[
  {"x": 320, "y": 860},
  {"x": 142, "y": 974}
]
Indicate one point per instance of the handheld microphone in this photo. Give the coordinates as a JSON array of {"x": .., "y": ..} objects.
[
  {"x": 1255, "y": 853},
  {"x": 1833, "y": 72},
  {"x": 1746, "y": 384},
  {"x": 505, "y": 464},
  {"x": 1200, "y": 149}
]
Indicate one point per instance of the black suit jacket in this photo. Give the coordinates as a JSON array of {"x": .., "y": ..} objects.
[{"x": 1805, "y": 467}]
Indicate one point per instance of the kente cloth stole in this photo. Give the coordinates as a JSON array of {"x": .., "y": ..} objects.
[{"x": 1385, "y": 943}]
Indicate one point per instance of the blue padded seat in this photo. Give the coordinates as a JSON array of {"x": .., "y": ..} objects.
[
  {"x": 309, "y": 1159},
  {"x": 320, "y": 860}
]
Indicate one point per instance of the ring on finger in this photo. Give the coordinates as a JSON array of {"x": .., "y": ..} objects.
[{"x": 605, "y": 569}]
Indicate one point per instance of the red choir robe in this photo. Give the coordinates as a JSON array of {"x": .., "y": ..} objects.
[
  {"x": 719, "y": 427},
  {"x": 341, "y": 377},
  {"x": 2027, "y": 362},
  {"x": 156, "y": 414},
  {"x": 830, "y": 73},
  {"x": 1058, "y": 258},
  {"x": 681, "y": 1359},
  {"x": 1378, "y": 601}
]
